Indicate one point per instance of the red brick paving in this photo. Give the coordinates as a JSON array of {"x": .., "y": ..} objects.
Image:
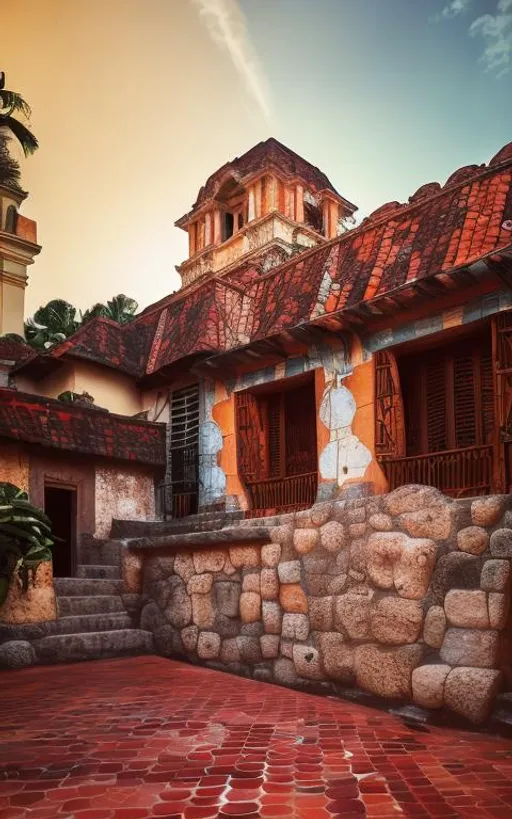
[{"x": 148, "y": 737}]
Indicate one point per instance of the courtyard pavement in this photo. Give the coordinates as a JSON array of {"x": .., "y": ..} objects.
[{"x": 148, "y": 737}]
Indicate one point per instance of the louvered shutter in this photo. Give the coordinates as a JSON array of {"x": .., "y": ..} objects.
[
  {"x": 465, "y": 423},
  {"x": 389, "y": 414},
  {"x": 435, "y": 394},
  {"x": 250, "y": 443},
  {"x": 275, "y": 442},
  {"x": 502, "y": 367}
]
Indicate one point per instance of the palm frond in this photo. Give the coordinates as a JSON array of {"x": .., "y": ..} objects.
[
  {"x": 25, "y": 137},
  {"x": 12, "y": 101}
]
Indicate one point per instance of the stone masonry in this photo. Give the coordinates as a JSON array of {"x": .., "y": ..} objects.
[{"x": 405, "y": 596}]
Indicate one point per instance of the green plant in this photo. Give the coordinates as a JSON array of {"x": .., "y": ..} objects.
[
  {"x": 25, "y": 537},
  {"x": 11, "y": 104},
  {"x": 120, "y": 308},
  {"x": 51, "y": 324}
]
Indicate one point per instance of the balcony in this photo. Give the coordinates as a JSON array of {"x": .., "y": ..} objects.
[
  {"x": 271, "y": 496},
  {"x": 458, "y": 473}
]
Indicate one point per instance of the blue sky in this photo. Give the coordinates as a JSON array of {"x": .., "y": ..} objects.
[
  {"x": 155, "y": 95},
  {"x": 384, "y": 94}
]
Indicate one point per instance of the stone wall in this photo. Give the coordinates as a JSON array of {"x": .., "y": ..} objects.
[{"x": 405, "y": 596}]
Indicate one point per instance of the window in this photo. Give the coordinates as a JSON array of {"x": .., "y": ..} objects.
[
  {"x": 228, "y": 226},
  {"x": 184, "y": 451},
  {"x": 448, "y": 397}
]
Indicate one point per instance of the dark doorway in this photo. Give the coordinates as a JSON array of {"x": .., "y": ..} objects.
[{"x": 60, "y": 506}]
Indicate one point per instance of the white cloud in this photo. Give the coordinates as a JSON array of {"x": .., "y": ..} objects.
[
  {"x": 227, "y": 28},
  {"x": 456, "y": 7},
  {"x": 496, "y": 32}
]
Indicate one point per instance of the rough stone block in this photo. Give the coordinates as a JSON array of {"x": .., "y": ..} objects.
[
  {"x": 434, "y": 522},
  {"x": 386, "y": 672},
  {"x": 471, "y": 691},
  {"x": 250, "y": 607},
  {"x": 200, "y": 584},
  {"x": 229, "y": 652},
  {"x": 227, "y": 598},
  {"x": 410, "y": 498},
  {"x": 332, "y": 536},
  {"x": 184, "y": 566},
  {"x": 208, "y": 645},
  {"x": 269, "y": 646},
  {"x": 16, "y": 654},
  {"x": 396, "y": 621},
  {"x": 226, "y": 626},
  {"x": 251, "y": 582},
  {"x": 470, "y": 647},
  {"x": 283, "y": 535},
  {"x": 245, "y": 556},
  {"x": 189, "y": 637},
  {"x": 272, "y": 616},
  {"x": 501, "y": 543},
  {"x": 321, "y": 513},
  {"x": 179, "y": 607},
  {"x": 307, "y": 662},
  {"x": 495, "y": 575},
  {"x": 286, "y": 649},
  {"x": 337, "y": 657},
  {"x": 396, "y": 559},
  {"x": 487, "y": 511},
  {"x": 293, "y": 599},
  {"x": 473, "y": 539},
  {"x": 295, "y": 627},
  {"x": 381, "y": 522},
  {"x": 284, "y": 672},
  {"x": 269, "y": 584},
  {"x": 499, "y": 605},
  {"x": 321, "y": 613},
  {"x": 305, "y": 540},
  {"x": 455, "y": 570},
  {"x": 428, "y": 685},
  {"x": 336, "y": 585},
  {"x": 466, "y": 609},
  {"x": 270, "y": 555},
  {"x": 289, "y": 572},
  {"x": 249, "y": 648},
  {"x": 357, "y": 530},
  {"x": 435, "y": 627},
  {"x": 202, "y": 610},
  {"x": 209, "y": 560},
  {"x": 352, "y": 614}
]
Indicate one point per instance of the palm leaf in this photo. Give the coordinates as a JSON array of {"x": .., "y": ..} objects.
[
  {"x": 13, "y": 102},
  {"x": 25, "y": 137}
]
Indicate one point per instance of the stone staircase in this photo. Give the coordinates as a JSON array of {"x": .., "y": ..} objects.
[{"x": 96, "y": 620}]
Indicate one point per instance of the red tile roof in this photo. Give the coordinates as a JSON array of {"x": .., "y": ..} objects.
[
  {"x": 11, "y": 350},
  {"x": 60, "y": 425},
  {"x": 438, "y": 231}
]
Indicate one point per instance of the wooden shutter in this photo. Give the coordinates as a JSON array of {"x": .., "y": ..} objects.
[
  {"x": 435, "y": 405},
  {"x": 502, "y": 370},
  {"x": 275, "y": 423},
  {"x": 389, "y": 413},
  {"x": 250, "y": 437}
]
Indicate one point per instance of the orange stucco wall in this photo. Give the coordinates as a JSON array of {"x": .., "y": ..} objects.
[{"x": 14, "y": 466}]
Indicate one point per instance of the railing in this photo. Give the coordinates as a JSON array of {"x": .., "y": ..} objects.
[
  {"x": 172, "y": 504},
  {"x": 282, "y": 494},
  {"x": 457, "y": 472}
]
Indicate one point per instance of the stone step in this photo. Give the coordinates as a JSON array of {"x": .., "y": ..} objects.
[
  {"x": 203, "y": 521},
  {"x": 74, "y": 624},
  {"x": 93, "y": 645},
  {"x": 99, "y": 572},
  {"x": 80, "y": 586},
  {"x": 95, "y": 604},
  {"x": 503, "y": 702}
]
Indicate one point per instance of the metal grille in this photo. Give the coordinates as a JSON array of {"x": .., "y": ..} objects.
[{"x": 184, "y": 451}]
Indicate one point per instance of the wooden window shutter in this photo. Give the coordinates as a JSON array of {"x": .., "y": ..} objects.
[
  {"x": 250, "y": 439},
  {"x": 275, "y": 422},
  {"x": 466, "y": 422},
  {"x": 502, "y": 369},
  {"x": 389, "y": 413}
]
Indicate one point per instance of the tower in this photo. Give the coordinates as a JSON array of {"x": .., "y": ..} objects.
[
  {"x": 18, "y": 247},
  {"x": 260, "y": 208}
]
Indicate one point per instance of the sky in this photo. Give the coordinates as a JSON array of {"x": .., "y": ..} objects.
[{"x": 136, "y": 102}]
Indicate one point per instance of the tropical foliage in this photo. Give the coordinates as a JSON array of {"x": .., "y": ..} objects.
[
  {"x": 56, "y": 321},
  {"x": 25, "y": 537},
  {"x": 121, "y": 308},
  {"x": 12, "y": 105}
]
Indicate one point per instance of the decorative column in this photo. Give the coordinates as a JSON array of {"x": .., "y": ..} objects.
[{"x": 299, "y": 203}]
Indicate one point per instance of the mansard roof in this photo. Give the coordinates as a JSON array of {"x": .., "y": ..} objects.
[{"x": 439, "y": 233}]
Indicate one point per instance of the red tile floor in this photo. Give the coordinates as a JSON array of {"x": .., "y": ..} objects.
[{"x": 149, "y": 737}]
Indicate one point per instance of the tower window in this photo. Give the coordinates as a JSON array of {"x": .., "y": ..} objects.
[
  {"x": 313, "y": 216},
  {"x": 229, "y": 226}
]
